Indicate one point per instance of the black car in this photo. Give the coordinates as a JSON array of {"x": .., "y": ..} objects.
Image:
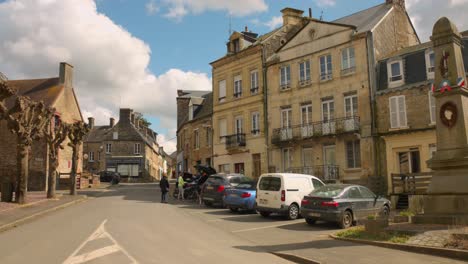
[
  {"x": 107, "y": 176},
  {"x": 343, "y": 203},
  {"x": 215, "y": 186}
]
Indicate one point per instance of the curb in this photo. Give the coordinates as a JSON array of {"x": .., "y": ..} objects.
[
  {"x": 440, "y": 252},
  {"x": 295, "y": 258},
  {"x": 38, "y": 214}
]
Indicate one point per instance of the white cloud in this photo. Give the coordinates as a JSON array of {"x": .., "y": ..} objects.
[
  {"x": 169, "y": 141},
  {"x": 111, "y": 65},
  {"x": 151, "y": 7},
  {"x": 177, "y": 9},
  {"x": 326, "y": 3},
  {"x": 425, "y": 13},
  {"x": 274, "y": 22}
]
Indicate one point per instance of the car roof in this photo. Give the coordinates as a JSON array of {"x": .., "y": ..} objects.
[
  {"x": 227, "y": 175},
  {"x": 344, "y": 185},
  {"x": 290, "y": 175}
]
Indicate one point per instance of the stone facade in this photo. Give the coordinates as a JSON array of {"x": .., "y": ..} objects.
[{"x": 54, "y": 92}]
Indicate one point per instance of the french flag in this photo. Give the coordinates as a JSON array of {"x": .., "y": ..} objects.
[
  {"x": 461, "y": 82},
  {"x": 432, "y": 88}
]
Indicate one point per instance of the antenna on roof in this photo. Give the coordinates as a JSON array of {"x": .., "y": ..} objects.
[
  {"x": 230, "y": 26},
  {"x": 321, "y": 16}
]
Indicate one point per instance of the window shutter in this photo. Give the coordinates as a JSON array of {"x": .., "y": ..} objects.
[
  {"x": 349, "y": 154},
  {"x": 222, "y": 128},
  {"x": 393, "y": 112},
  {"x": 402, "y": 111},
  {"x": 222, "y": 89},
  {"x": 465, "y": 54},
  {"x": 383, "y": 76},
  {"x": 414, "y": 70}
]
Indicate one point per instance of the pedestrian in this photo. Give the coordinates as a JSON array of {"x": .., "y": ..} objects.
[
  {"x": 180, "y": 185},
  {"x": 201, "y": 187},
  {"x": 164, "y": 185}
]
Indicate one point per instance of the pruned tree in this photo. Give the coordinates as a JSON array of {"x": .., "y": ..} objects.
[
  {"x": 28, "y": 120},
  {"x": 76, "y": 133},
  {"x": 55, "y": 137},
  {"x": 5, "y": 92}
]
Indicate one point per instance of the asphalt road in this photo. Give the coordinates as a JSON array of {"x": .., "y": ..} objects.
[{"x": 127, "y": 224}]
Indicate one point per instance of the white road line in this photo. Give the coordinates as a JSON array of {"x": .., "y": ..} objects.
[
  {"x": 264, "y": 227},
  {"x": 94, "y": 254}
]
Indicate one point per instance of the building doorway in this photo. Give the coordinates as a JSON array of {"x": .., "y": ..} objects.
[
  {"x": 409, "y": 162},
  {"x": 257, "y": 165},
  {"x": 329, "y": 162}
]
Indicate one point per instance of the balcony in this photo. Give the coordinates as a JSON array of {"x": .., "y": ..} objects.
[
  {"x": 317, "y": 129},
  {"x": 235, "y": 141},
  {"x": 326, "y": 173}
]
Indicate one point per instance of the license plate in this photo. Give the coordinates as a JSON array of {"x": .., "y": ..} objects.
[
  {"x": 209, "y": 187},
  {"x": 314, "y": 214},
  {"x": 262, "y": 201},
  {"x": 233, "y": 195}
]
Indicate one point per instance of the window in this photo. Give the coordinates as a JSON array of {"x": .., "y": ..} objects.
[
  {"x": 286, "y": 159},
  {"x": 348, "y": 64},
  {"x": 209, "y": 136},
  {"x": 351, "y": 106},
  {"x": 353, "y": 154},
  {"x": 354, "y": 193},
  {"x": 222, "y": 91},
  {"x": 304, "y": 71},
  {"x": 286, "y": 115},
  {"x": 208, "y": 162},
  {"x": 91, "y": 156},
  {"x": 239, "y": 168},
  {"x": 196, "y": 141},
  {"x": 285, "y": 77},
  {"x": 366, "y": 193},
  {"x": 254, "y": 82},
  {"x": 326, "y": 68},
  {"x": 409, "y": 161},
  {"x": 432, "y": 150},
  {"x": 224, "y": 168},
  {"x": 255, "y": 123},
  {"x": 398, "y": 112},
  {"x": 237, "y": 86},
  {"x": 108, "y": 148},
  {"x": 306, "y": 114},
  {"x": 430, "y": 63},
  {"x": 316, "y": 183},
  {"x": 137, "y": 148},
  {"x": 236, "y": 45},
  {"x": 395, "y": 73},
  {"x": 432, "y": 107},
  {"x": 115, "y": 135},
  {"x": 99, "y": 155},
  {"x": 270, "y": 184},
  {"x": 222, "y": 130},
  {"x": 238, "y": 126}
]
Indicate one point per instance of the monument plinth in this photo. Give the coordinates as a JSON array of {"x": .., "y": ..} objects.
[{"x": 447, "y": 199}]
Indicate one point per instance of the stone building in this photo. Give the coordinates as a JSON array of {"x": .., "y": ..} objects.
[
  {"x": 239, "y": 97},
  {"x": 57, "y": 92},
  {"x": 406, "y": 111},
  {"x": 320, "y": 93},
  {"x": 128, "y": 147},
  {"x": 194, "y": 131}
]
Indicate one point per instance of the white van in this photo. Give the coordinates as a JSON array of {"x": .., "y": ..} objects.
[{"x": 283, "y": 192}]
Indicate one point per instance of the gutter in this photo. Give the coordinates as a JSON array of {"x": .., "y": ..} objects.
[{"x": 265, "y": 107}]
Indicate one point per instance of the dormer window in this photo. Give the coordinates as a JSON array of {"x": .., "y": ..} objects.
[
  {"x": 190, "y": 114},
  {"x": 115, "y": 135},
  {"x": 395, "y": 73},
  {"x": 430, "y": 63},
  {"x": 236, "y": 45}
]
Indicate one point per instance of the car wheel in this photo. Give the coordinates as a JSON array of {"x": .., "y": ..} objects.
[
  {"x": 264, "y": 213},
  {"x": 209, "y": 204},
  {"x": 310, "y": 221},
  {"x": 293, "y": 212},
  {"x": 346, "y": 220},
  {"x": 234, "y": 209}
]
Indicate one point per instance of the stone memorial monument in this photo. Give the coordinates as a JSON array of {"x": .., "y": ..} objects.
[{"x": 447, "y": 199}]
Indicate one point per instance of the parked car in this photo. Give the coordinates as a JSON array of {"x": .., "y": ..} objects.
[
  {"x": 343, "y": 203},
  {"x": 283, "y": 192},
  {"x": 216, "y": 185},
  {"x": 107, "y": 176},
  {"x": 241, "y": 196}
]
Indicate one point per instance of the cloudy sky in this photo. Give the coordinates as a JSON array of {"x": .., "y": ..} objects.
[{"x": 137, "y": 53}]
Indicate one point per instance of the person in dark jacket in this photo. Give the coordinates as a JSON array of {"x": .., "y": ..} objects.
[{"x": 164, "y": 185}]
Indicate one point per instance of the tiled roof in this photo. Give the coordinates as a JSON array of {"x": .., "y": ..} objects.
[
  {"x": 410, "y": 49},
  {"x": 206, "y": 108},
  {"x": 45, "y": 90},
  {"x": 367, "y": 19},
  {"x": 193, "y": 93},
  {"x": 97, "y": 134}
]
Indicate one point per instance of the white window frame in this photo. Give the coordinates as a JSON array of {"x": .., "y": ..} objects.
[
  {"x": 209, "y": 136},
  {"x": 430, "y": 70},
  {"x": 285, "y": 77},
  {"x": 255, "y": 123},
  {"x": 108, "y": 148},
  {"x": 196, "y": 135},
  {"x": 356, "y": 155},
  {"x": 348, "y": 61},
  {"x": 137, "y": 148},
  {"x": 238, "y": 86},
  {"x": 328, "y": 73},
  {"x": 115, "y": 135},
  {"x": 254, "y": 82},
  {"x": 395, "y": 80},
  {"x": 304, "y": 71},
  {"x": 285, "y": 161},
  {"x": 349, "y": 99},
  {"x": 222, "y": 123},
  {"x": 432, "y": 108},
  {"x": 398, "y": 112},
  {"x": 289, "y": 116},
  {"x": 308, "y": 108},
  {"x": 238, "y": 125},
  {"x": 91, "y": 156},
  {"x": 222, "y": 91}
]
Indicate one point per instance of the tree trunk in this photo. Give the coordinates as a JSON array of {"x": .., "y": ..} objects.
[
  {"x": 22, "y": 174},
  {"x": 73, "y": 170},
  {"x": 52, "y": 181}
]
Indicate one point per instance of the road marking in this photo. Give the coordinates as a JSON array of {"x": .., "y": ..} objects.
[
  {"x": 99, "y": 233},
  {"x": 264, "y": 227}
]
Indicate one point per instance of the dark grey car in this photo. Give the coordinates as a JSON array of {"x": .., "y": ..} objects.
[
  {"x": 342, "y": 203},
  {"x": 214, "y": 188}
]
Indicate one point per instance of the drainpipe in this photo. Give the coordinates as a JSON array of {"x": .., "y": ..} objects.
[{"x": 265, "y": 107}]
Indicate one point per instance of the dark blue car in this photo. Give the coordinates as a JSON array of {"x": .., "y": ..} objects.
[{"x": 241, "y": 196}]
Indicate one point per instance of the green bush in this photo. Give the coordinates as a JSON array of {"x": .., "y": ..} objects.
[
  {"x": 406, "y": 213},
  {"x": 360, "y": 233}
]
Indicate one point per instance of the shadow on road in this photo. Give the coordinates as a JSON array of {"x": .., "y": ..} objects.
[
  {"x": 303, "y": 226},
  {"x": 316, "y": 244}
]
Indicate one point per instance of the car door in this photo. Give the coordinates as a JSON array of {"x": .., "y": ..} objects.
[
  {"x": 373, "y": 205},
  {"x": 268, "y": 193},
  {"x": 357, "y": 202}
]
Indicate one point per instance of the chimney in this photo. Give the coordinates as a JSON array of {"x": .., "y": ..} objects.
[
  {"x": 291, "y": 16},
  {"x": 125, "y": 116},
  {"x": 246, "y": 29},
  {"x": 66, "y": 74},
  {"x": 310, "y": 12},
  {"x": 91, "y": 122},
  {"x": 111, "y": 122},
  {"x": 396, "y": 3},
  {"x": 132, "y": 118}
]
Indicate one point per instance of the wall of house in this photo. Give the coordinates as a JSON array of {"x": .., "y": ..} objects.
[{"x": 99, "y": 162}]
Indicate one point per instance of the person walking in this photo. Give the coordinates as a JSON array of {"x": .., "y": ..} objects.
[
  {"x": 164, "y": 185},
  {"x": 180, "y": 185}
]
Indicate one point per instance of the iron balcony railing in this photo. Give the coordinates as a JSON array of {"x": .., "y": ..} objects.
[
  {"x": 316, "y": 129},
  {"x": 235, "y": 141},
  {"x": 323, "y": 172}
]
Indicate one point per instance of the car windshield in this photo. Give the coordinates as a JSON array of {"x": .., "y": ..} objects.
[
  {"x": 234, "y": 181},
  {"x": 270, "y": 184},
  {"x": 215, "y": 180},
  {"x": 327, "y": 191},
  {"x": 247, "y": 185}
]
